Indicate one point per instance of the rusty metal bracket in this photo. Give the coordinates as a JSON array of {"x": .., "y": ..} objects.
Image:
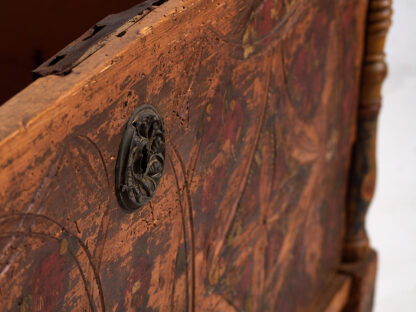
[{"x": 115, "y": 25}]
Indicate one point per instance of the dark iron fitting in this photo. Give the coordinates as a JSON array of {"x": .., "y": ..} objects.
[{"x": 141, "y": 158}]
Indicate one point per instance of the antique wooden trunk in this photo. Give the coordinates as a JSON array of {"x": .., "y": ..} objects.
[{"x": 197, "y": 155}]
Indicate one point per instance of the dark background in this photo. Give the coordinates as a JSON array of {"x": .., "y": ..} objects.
[{"x": 33, "y": 31}]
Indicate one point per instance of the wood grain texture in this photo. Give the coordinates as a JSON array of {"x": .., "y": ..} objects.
[
  {"x": 336, "y": 296},
  {"x": 363, "y": 169},
  {"x": 249, "y": 213},
  {"x": 363, "y": 275}
]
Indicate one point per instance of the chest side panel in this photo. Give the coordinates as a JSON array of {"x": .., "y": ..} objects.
[{"x": 258, "y": 101}]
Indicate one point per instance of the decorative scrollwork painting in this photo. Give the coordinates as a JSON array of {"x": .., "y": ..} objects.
[{"x": 240, "y": 175}]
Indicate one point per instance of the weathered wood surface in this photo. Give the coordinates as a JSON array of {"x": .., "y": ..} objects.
[
  {"x": 363, "y": 275},
  {"x": 258, "y": 100},
  {"x": 336, "y": 296}
]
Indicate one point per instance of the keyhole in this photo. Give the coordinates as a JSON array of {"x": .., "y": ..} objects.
[{"x": 141, "y": 161}]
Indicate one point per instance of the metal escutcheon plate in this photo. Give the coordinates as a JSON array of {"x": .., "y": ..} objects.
[{"x": 141, "y": 158}]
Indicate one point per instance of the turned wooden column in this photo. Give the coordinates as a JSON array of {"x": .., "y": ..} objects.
[{"x": 363, "y": 167}]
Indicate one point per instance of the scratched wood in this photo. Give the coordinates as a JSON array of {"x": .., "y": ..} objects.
[{"x": 259, "y": 100}]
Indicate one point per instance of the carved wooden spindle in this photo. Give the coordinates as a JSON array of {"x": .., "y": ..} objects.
[{"x": 363, "y": 167}]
